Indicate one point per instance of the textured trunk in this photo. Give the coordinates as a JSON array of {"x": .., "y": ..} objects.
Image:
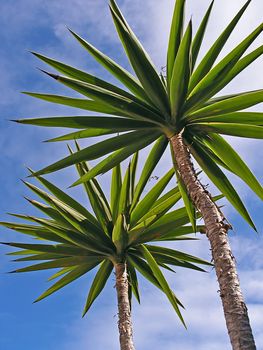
[
  {"x": 125, "y": 323},
  {"x": 235, "y": 310}
]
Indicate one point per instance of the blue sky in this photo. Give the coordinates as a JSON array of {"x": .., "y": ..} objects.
[{"x": 56, "y": 322}]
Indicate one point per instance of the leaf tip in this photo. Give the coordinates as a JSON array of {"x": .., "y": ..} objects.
[
  {"x": 28, "y": 199},
  {"x": 30, "y": 170},
  {"x": 84, "y": 313},
  {"x": 32, "y": 175},
  {"x": 71, "y": 31},
  {"x": 37, "y": 300},
  {"x": 4, "y": 243},
  {"x": 33, "y": 53},
  {"x": 55, "y": 76},
  {"x": 76, "y": 183}
]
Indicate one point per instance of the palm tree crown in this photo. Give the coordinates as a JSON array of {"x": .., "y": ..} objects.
[
  {"x": 76, "y": 241},
  {"x": 182, "y": 102}
]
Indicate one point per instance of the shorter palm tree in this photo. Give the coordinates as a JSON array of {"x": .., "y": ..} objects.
[{"x": 117, "y": 237}]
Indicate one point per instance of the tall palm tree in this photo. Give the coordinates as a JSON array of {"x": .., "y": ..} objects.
[
  {"x": 180, "y": 106},
  {"x": 117, "y": 237}
]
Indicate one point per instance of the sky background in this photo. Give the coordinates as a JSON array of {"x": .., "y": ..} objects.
[{"x": 56, "y": 323}]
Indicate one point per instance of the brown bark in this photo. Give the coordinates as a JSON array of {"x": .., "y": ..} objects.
[
  {"x": 234, "y": 307},
  {"x": 125, "y": 323}
]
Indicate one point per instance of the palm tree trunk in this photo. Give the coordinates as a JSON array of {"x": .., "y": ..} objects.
[
  {"x": 125, "y": 323},
  {"x": 235, "y": 310}
]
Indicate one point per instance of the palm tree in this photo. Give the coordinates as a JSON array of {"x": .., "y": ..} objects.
[
  {"x": 117, "y": 237},
  {"x": 180, "y": 106}
]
